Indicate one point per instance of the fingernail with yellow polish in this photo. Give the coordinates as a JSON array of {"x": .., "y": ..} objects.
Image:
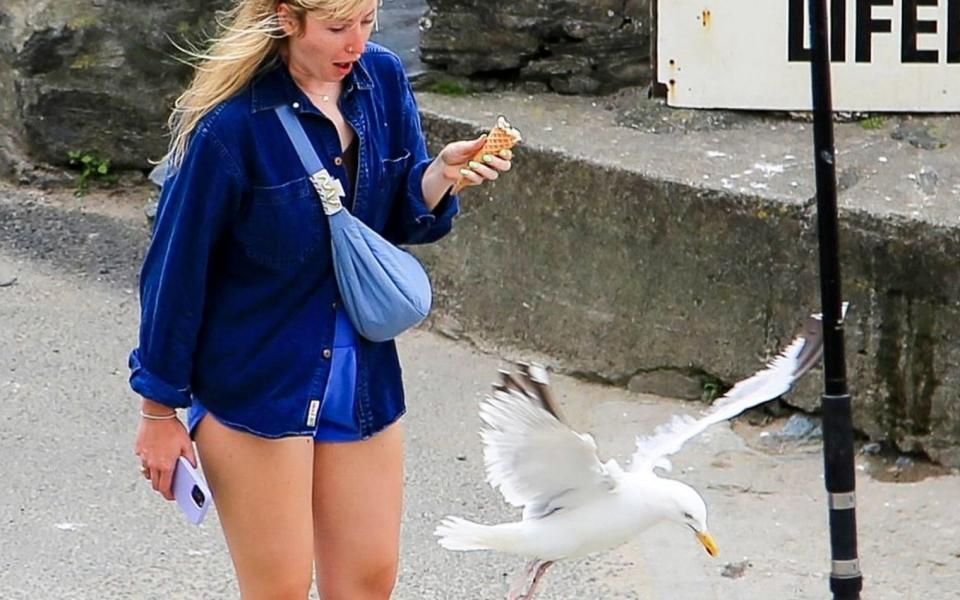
[
  {"x": 473, "y": 164},
  {"x": 487, "y": 158},
  {"x": 465, "y": 172}
]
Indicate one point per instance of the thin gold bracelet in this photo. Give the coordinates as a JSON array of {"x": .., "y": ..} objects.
[{"x": 172, "y": 415}]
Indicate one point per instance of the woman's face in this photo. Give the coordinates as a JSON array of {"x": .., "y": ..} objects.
[{"x": 327, "y": 49}]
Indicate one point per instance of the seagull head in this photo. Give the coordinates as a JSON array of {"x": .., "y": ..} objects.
[{"x": 686, "y": 506}]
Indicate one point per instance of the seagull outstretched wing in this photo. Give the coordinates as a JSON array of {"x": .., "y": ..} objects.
[
  {"x": 767, "y": 384},
  {"x": 535, "y": 460}
]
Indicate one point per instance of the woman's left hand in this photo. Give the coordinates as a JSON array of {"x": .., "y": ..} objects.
[{"x": 456, "y": 159}]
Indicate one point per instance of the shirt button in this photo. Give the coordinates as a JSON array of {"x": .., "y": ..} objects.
[
  {"x": 334, "y": 305},
  {"x": 327, "y": 353},
  {"x": 296, "y": 105},
  {"x": 338, "y": 161}
]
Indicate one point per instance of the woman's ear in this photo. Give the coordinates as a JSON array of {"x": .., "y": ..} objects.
[{"x": 288, "y": 19}]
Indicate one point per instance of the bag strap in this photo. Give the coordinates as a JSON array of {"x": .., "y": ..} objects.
[{"x": 328, "y": 187}]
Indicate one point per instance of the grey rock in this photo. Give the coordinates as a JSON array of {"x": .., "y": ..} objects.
[
  {"x": 918, "y": 135},
  {"x": 574, "y": 47},
  {"x": 575, "y": 83},
  {"x": 447, "y": 326},
  {"x": 848, "y": 178},
  {"x": 928, "y": 179},
  {"x": 75, "y": 77},
  {"x": 903, "y": 462},
  {"x": 534, "y": 87},
  {"x": 736, "y": 570},
  {"x": 800, "y": 427},
  {"x": 150, "y": 211},
  {"x": 555, "y": 66},
  {"x": 670, "y": 383}
]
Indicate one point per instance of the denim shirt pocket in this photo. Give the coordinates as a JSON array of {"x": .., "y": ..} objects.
[
  {"x": 283, "y": 224},
  {"x": 392, "y": 171}
]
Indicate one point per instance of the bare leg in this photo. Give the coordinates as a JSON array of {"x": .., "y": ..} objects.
[
  {"x": 262, "y": 491},
  {"x": 357, "y": 502}
]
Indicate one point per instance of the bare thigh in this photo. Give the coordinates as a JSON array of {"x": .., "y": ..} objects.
[
  {"x": 357, "y": 502},
  {"x": 262, "y": 491}
]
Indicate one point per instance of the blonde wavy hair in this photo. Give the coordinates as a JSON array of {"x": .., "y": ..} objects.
[{"x": 249, "y": 37}]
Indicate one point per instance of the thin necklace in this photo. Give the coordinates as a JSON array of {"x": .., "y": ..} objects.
[{"x": 322, "y": 97}]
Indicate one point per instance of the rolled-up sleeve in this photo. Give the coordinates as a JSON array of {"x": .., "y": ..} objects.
[
  {"x": 195, "y": 204},
  {"x": 411, "y": 221}
]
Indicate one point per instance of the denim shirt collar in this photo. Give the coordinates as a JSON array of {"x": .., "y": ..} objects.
[{"x": 274, "y": 85}]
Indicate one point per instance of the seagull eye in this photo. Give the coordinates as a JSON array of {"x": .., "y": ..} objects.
[{"x": 688, "y": 516}]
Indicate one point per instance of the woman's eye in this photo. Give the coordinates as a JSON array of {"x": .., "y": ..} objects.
[
  {"x": 368, "y": 23},
  {"x": 336, "y": 29}
]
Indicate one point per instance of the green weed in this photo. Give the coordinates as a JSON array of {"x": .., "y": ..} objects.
[{"x": 92, "y": 168}]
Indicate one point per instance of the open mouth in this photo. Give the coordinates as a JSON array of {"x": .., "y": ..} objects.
[{"x": 343, "y": 67}]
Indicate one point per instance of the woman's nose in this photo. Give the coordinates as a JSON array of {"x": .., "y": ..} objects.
[{"x": 356, "y": 41}]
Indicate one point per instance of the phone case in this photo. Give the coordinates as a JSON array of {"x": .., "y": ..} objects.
[{"x": 191, "y": 491}]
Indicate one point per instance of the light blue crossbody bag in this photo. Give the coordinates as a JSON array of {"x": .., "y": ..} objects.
[{"x": 385, "y": 290}]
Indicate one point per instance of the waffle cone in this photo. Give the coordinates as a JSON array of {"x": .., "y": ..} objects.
[{"x": 501, "y": 137}]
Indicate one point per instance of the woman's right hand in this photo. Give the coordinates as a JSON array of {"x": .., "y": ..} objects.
[{"x": 160, "y": 442}]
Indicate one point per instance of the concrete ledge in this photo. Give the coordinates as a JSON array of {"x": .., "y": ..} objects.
[{"x": 622, "y": 253}]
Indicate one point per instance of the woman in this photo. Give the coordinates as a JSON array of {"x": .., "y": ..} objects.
[{"x": 294, "y": 415}]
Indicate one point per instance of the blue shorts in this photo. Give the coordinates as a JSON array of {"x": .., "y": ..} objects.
[{"x": 337, "y": 419}]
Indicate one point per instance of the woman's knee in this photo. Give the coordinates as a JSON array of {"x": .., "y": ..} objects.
[
  {"x": 275, "y": 575},
  {"x": 278, "y": 587},
  {"x": 370, "y": 581}
]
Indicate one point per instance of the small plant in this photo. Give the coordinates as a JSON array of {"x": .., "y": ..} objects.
[
  {"x": 447, "y": 87},
  {"x": 711, "y": 387},
  {"x": 711, "y": 390},
  {"x": 871, "y": 123},
  {"x": 91, "y": 167}
]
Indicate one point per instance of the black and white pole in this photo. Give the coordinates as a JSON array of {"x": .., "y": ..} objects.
[{"x": 846, "y": 580}]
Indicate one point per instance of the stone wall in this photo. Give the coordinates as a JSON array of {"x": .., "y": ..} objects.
[
  {"x": 568, "y": 46},
  {"x": 10, "y": 128},
  {"x": 100, "y": 77},
  {"x": 96, "y": 77}
]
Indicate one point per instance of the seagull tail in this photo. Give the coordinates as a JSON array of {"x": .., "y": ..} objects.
[{"x": 460, "y": 534}]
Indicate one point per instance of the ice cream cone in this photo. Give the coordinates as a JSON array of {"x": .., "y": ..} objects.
[{"x": 501, "y": 137}]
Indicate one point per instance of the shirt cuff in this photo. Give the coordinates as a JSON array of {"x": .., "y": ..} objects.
[
  {"x": 154, "y": 388},
  {"x": 422, "y": 218}
]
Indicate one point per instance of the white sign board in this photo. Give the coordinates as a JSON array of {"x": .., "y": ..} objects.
[{"x": 887, "y": 55}]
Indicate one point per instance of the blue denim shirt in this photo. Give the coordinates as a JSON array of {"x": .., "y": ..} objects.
[{"x": 237, "y": 290}]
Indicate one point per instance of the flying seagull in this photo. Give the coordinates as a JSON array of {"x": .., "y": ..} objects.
[{"x": 574, "y": 504}]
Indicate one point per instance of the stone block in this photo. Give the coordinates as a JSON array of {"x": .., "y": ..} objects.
[{"x": 93, "y": 77}]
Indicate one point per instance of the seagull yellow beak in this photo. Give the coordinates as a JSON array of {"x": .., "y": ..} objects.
[{"x": 707, "y": 540}]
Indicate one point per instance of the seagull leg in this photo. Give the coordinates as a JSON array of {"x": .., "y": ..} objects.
[
  {"x": 541, "y": 569},
  {"x": 519, "y": 587}
]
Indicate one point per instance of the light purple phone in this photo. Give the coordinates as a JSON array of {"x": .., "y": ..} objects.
[{"x": 191, "y": 491}]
